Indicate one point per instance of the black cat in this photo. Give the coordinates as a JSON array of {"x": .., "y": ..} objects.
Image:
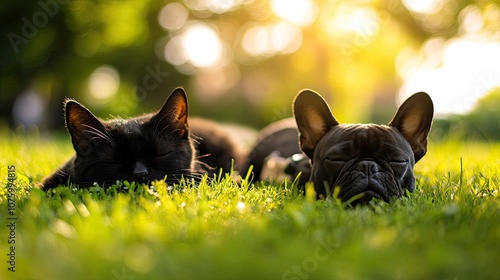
[{"x": 143, "y": 149}]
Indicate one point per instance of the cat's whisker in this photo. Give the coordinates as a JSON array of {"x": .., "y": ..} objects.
[
  {"x": 177, "y": 175},
  {"x": 99, "y": 134},
  {"x": 164, "y": 128},
  {"x": 203, "y": 156},
  {"x": 195, "y": 139},
  {"x": 156, "y": 133},
  {"x": 61, "y": 172}
]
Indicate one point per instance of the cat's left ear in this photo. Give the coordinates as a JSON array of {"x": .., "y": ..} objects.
[
  {"x": 83, "y": 126},
  {"x": 174, "y": 114}
]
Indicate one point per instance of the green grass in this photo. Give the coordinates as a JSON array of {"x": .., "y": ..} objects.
[{"x": 448, "y": 229}]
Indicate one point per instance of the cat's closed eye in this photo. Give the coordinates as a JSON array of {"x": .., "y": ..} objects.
[{"x": 163, "y": 157}]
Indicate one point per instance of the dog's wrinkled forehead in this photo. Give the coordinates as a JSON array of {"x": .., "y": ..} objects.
[{"x": 364, "y": 141}]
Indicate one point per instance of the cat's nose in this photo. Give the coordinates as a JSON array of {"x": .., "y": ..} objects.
[{"x": 140, "y": 170}]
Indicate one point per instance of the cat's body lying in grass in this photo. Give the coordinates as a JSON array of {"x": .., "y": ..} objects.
[{"x": 142, "y": 149}]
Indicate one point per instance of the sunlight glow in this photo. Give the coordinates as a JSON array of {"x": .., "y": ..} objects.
[
  {"x": 347, "y": 18},
  {"x": 202, "y": 46},
  {"x": 298, "y": 12},
  {"x": 424, "y": 6},
  {"x": 104, "y": 82},
  {"x": 456, "y": 74}
]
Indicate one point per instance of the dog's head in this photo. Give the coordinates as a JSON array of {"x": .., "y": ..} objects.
[{"x": 364, "y": 160}]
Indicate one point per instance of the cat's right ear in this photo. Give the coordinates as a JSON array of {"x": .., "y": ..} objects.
[
  {"x": 83, "y": 126},
  {"x": 174, "y": 114}
]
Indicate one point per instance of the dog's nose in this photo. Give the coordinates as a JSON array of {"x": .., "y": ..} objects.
[
  {"x": 368, "y": 167},
  {"x": 140, "y": 170}
]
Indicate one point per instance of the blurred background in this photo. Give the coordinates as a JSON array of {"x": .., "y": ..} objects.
[{"x": 243, "y": 61}]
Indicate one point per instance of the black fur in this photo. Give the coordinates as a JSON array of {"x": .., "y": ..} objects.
[
  {"x": 141, "y": 149},
  {"x": 281, "y": 138}
]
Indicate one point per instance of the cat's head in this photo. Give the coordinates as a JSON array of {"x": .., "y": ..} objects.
[{"x": 142, "y": 149}]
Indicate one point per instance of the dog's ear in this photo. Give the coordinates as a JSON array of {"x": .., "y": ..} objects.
[
  {"x": 413, "y": 120},
  {"x": 314, "y": 119}
]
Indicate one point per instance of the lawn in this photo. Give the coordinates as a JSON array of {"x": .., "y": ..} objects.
[{"x": 448, "y": 229}]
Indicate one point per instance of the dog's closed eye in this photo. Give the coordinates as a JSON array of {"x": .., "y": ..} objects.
[
  {"x": 396, "y": 161},
  {"x": 399, "y": 167},
  {"x": 336, "y": 160},
  {"x": 334, "y": 166}
]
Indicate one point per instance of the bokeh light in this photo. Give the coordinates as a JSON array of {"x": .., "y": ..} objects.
[
  {"x": 258, "y": 52},
  {"x": 423, "y": 6},
  {"x": 103, "y": 84},
  {"x": 348, "y": 19},
  {"x": 216, "y": 6},
  {"x": 28, "y": 109},
  {"x": 268, "y": 40},
  {"x": 202, "y": 46},
  {"x": 298, "y": 12},
  {"x": 198, "y": 44},
  {"x": 173, "y": 16},
  {"x": 173, "y": 51}
]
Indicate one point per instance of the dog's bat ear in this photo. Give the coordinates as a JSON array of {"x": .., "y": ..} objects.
[
  {"x": 413, "y": 120},
  {"x": 314, "y": 119}
]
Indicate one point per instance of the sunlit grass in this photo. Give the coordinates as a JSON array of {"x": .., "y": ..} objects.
[{"x": 449, "y": 228}]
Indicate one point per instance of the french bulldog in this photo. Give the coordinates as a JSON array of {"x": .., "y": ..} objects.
[{"x": 364, "y": 161}]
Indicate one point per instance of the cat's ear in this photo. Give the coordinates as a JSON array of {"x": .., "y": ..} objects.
[
  {"x": 413, "y": 120},
  {"x": 314, "y": 119},
  {"x": 84, "y": 127},
  {"x": 173, "y": 116}
]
